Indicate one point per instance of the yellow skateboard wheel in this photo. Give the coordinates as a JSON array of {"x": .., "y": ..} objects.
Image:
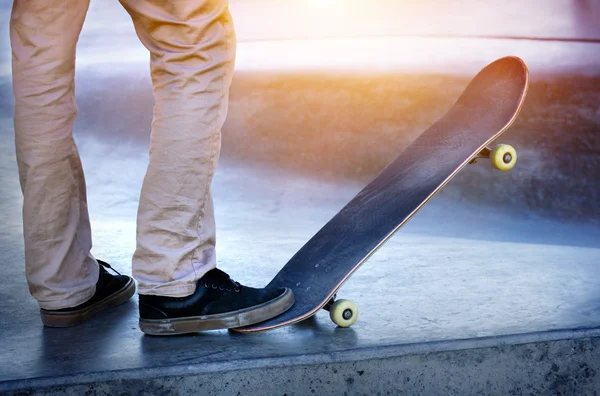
[
  {"x": 503, "y": 157},
  {"x": 343, "y": 313}
]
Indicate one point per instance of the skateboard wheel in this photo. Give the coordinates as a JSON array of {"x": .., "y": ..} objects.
[
  {"x": 343, "y": 313},
  {"x": 503, "y": 157}
]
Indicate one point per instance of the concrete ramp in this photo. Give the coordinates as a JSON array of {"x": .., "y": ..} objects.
[{"x": 461, "y": 301}]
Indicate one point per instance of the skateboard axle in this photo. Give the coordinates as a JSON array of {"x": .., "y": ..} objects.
[
  {"x": 347, "y": 314},
  {"x": 485, "y": 153},
  {"x": 329, "y": 303}
]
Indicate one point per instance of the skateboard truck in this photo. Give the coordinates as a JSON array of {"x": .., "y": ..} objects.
[
  {"x": 342, "y": 312},
  {"x": 503, "y": 157}
]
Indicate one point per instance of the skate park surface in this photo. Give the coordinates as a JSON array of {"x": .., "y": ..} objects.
[{"x": 492, "y": 288}]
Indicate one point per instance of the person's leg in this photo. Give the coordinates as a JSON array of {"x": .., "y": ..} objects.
[
  {"x": 60, "y": 270},
  {"x": 192, "y": 50}
]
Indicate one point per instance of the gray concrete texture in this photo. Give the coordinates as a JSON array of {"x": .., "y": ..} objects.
[
  {"x": 443, "y": 278},
  {"x": 564, "y": 367}
]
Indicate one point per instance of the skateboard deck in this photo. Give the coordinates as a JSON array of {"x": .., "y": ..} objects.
[{"x": 486, "y": 108}]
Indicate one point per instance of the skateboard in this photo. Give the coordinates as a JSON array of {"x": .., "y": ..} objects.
[{"x": 487, "y": 108}]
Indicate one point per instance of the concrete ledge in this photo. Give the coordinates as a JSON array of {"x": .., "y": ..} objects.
[{"x": 560, "y": 362}]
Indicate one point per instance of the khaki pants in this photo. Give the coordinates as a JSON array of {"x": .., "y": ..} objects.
[{"x": 192, "y": 48}]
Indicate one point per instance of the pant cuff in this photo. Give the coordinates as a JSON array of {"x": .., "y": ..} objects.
[{"x": 73, "y": 301}]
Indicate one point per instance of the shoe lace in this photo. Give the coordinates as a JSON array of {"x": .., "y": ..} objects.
[
  {"x": 107, "y": 266},
  {"x": 222, "y": 282}
]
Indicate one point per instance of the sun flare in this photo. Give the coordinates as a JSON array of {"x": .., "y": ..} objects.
[{"x": 323, "y": 3}]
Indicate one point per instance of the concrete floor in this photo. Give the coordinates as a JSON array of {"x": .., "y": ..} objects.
[{"x": 428, "y": 284}]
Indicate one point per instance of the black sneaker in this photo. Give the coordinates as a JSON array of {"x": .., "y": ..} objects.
[
  {"x": 111, "y": 290},
  {"x": 217, "y": 303}
]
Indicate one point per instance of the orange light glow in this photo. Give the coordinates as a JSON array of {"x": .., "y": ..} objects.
[{"x": 323, "y": 3}]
